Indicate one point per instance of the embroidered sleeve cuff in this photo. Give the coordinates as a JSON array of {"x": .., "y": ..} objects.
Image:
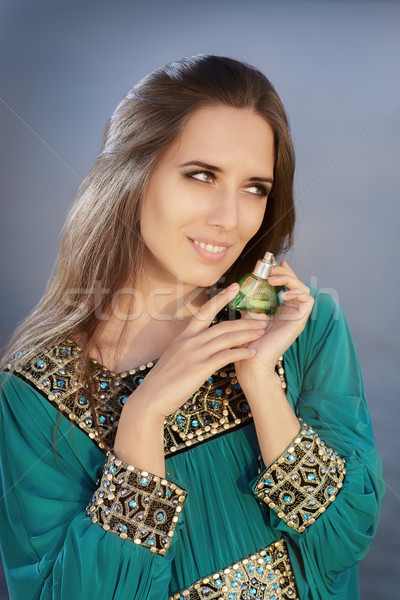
[
  {"x": 303, "y": 481},
  {"x": 137, "y": 505}
]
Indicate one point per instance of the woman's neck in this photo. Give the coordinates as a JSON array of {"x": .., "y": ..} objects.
[{"x": 142, "y": 325}]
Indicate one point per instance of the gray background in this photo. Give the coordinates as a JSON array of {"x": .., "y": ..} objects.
[{"x": 65, "y": 65}]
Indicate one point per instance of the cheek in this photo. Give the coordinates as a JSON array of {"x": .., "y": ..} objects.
[{"x": 251, "y": 220}]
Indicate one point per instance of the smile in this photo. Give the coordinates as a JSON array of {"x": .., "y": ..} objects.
[
  {"x": 208, "y": 251},
  {"x": 209, "y": 247}
]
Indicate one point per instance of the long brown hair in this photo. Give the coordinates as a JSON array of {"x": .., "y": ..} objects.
[{"x": 101, "y": 246}]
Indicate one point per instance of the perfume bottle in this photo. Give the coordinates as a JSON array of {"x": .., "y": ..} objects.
[{"x": 255, "y": 293}]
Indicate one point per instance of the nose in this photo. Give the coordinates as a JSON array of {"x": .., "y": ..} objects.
[{"x": 224, "y": 211}]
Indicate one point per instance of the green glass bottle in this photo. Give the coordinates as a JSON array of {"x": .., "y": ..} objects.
[{"x": 255, "y": 293}]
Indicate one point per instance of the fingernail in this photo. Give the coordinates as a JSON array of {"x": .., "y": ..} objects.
[{"x": 233, "y": 286}]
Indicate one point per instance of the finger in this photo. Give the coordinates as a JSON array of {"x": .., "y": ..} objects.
[
  {"x": 232, "y": 340},
  {"x": 206, "y": 313},
  {"x": 231, "y": 327},
  {"x": 231, "y": 356},
  {"x": 296, "y": 294},
  {"x": 290, "y": 281},
  {"x": 284, "y": 263},
  {"x": 252, "y": 316}
]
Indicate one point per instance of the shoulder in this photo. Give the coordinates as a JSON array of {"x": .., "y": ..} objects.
[
  {"x": 42, "y": 381},
  {"x": 50, "y": 369},
  {"x": 327, "y": 313},
  {"x": 326, "y": 328}
]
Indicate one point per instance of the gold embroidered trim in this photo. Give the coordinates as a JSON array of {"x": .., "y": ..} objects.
[
  {"x": 264, "y": 575},
  {"x": 137, "y": 505},
  {"x": 217, "y": 406},
  {"x": 303, "y": 481}
]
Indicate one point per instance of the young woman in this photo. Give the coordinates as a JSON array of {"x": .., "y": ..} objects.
[{"x": 155, "y": 443}]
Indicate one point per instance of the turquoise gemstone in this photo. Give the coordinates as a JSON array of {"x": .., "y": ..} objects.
[
  {"x": 61, "y": 384},
  {"x": 271, "y": 576},
  {"x": 218, "y": 582},
  {"x": 218, "y": 392},
  {"x": 122, "y": 528},
  {"x": 291, "y": 458},
  {"x": 195, "y": 423},
  {"x": 112, "y": 469},
  {"x": 160, "y": 516},
  {"x": 309, "y": 432},
  {"x": 307, "y": 516},
  {"x": 311, "y": 477},
  {"x": 251, "y": 568},
  {"x": 274, "y": 586},
  {"x": 234, "y": 584},
  {"x": 268, "y": 481},
  {"x": 287, "y": 498},
  {"x": 231, "y": 596},
  {"x": 210, "y": 380},
  {"x": 140, "y": 380},
  {"x": 252, "y": 591},
  {"x": 102, "y": 419},
  {"x": 104, "y": 385},
  {"x": 132, "y": 504},
  {"x": 267, "y": 559},
  {"x": 124, "y": 399},
  {"x": 214, "y": 404},
  {"x": 180, "y": 420},
  {"x": 237, "y": 386},
  {"x": 260, "y": 570},
  {"x": 40, "y": 364},
  {"x": 82, "y": 400},
  {"x": 330, "y": 490},
  {"x": 273, "y": 597},
  {"x": 64, "y": 351},
  {"x": 239, "y": 575},
  {"x": 169, "y": 493},
  {"x": 150, "y": 542},
  {"x": 144, "y": 481}
]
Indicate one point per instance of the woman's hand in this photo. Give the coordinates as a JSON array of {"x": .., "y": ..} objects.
[
  {"x": 282, "y": 328},
  {"x": 195, "y": 355}
]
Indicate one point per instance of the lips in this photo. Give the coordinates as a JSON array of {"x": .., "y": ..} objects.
[{"x": 206, "y": 254}]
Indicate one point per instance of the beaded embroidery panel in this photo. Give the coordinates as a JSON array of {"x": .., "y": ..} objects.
[
  {"x": 302, "y": 482},
  {"x": 137, "y": 505},
  {"x": 217, "y": 407},
  {"x": 264, "y": 575}
]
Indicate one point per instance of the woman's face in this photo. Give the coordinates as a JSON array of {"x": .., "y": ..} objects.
[{"x": 207, "y": 196}]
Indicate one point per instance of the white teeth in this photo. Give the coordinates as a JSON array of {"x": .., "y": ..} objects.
[{"x": 210, "y": 247}]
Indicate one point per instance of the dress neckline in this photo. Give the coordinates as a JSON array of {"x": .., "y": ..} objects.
[
  {"x": 122, "y": 374},
  {"x": 144, "y": 367}
]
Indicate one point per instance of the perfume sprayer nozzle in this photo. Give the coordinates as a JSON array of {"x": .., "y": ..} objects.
[{"x": 264, "y": 266}]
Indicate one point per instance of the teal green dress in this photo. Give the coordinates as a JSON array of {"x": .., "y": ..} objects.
[{"x": 77, "y": 523}]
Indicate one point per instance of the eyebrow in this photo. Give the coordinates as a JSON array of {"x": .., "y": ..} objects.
[{"x": 219, "y": 170}]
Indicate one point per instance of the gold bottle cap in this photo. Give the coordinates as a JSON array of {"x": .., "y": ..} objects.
[{"x": 264, "y": 266}]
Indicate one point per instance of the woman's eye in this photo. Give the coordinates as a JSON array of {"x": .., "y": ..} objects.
[
  {"x": 201, "y": 175},
  {"x": 258, "y": 190},
  {"x": 207, "y": 177}
]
